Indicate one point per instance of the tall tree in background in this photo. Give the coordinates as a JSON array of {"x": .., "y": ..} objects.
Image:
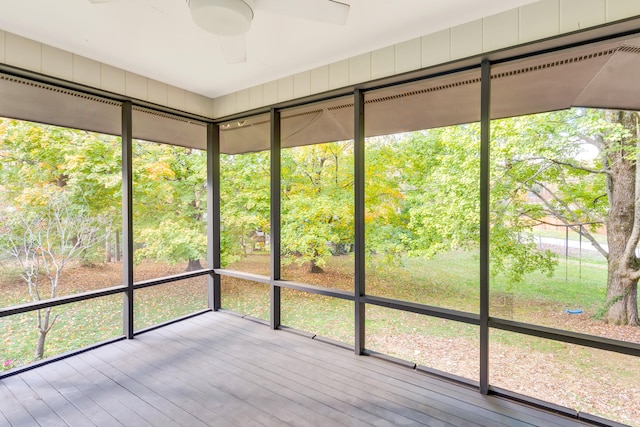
[
  {"x": 169, "y": 198},
  {"x": 423, "y": 193},
  {"x": 317, "y": 202},
  {"x": 245, "y": 203},
  {"x": 580, "y": 165},
  {"x": 56, "y": 203}
]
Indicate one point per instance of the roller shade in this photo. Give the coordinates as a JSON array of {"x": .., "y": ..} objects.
[
  {"x": 601, "y": 75},
  {"x": 311, "y": 124},
  {"x": 549, "y": 82},
  {"x": 29, "y": 100},
  {"x": 150, "y": 125},
  {"x": 24, "y": 99},
  {"x": 247, "y": 135}
]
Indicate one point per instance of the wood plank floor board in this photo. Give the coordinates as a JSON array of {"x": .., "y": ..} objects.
[
  {"x": 12, "y": 409},
  {"x": 518, "y": 412},
  {"x": 108, "y": 394},
  {"x": 4, "y": 421},
  {"x": 166, "y": 404},
  {"x": 151, "y": 382},
  {"x": 217, "y": 361},
  {"x": 501, "y": 406},
  {"x": 96, "y": 398},
  {"x": 317, "y": 376},
  {"x": 36, "y": 407},
  {"x": 322, "y": 401},
  {"x": 206, "y": 389},
  {"x": 221, "y": 370},
  {"x": 77, "y": 388},
  {"x": 55, "y": 400},
  {"x": 381, "y": 382},
  {"x": 416, "y": 405},
  {"x": 129, "y": 401},
  {"x": 262, "y": 363}
]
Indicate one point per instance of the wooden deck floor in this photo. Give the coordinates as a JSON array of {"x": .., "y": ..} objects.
[{"x": 218, "y": 369}]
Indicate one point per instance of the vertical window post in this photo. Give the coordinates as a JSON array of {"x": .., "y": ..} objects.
[
  {"x": 275, "y": 218},
  {"x": 213, "y": 214},
  {"x": 485, "y": 135},
  {"x": 358, "y": 188},
  {"x": 127, "y": 218}
]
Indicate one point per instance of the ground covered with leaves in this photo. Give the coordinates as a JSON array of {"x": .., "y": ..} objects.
[{"x": 588, "y": 380}]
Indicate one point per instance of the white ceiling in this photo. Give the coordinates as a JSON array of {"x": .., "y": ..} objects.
[{"x": 157, "y": 39}]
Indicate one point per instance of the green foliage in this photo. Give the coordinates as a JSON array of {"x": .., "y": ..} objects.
[
  {"x": 173, "y": 240},
  {"x": 169, "y": 202},
  {"x": 245, "y": 203},
  {"x": 37, "y": 159},
  {"x": 317, "y": 201},
  {"x": 47, "y": 170}
]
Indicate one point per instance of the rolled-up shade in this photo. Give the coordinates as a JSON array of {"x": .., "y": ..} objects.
[
  {"x": 599, "y": 75},
  {"x": 24, "y": 99},
  {"x": 150, "y": 125},
  {"x": 570, "y": 78}
]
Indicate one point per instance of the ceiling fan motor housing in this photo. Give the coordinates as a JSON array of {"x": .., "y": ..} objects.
[{"x": 222, "y": 17}]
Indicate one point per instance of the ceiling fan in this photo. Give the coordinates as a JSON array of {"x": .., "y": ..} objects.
[{"x": 230, "y": 20}]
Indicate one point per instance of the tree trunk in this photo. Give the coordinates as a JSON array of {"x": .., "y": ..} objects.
[
  {"x": 621, "y": 304},
  {"x": 108, "y": 256},
  {"x": 194, "y": 265},
  {"x": 622, "y": 300},
  {"x": 314, "y": 268},
  {"x": 118, "y": 249},
  {"x": 42, "y": 336},
  {"x": 44, "y": 326}
]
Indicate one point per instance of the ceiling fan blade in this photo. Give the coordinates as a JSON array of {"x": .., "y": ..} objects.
[
  {"x": 234, "y": 48},
  {"x": 327, "y": 11}
]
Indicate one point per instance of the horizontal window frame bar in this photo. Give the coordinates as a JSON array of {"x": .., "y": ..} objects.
[
  {"x": 318, "y": 290},
  {"x": 424, "y": 309},
  {"x": 173, "y": 278},
  {"x": 252, "y": 277},
  {"x": 560, "y": 335},
  {"x": 98, "y": 293},
  {"x": 288, "y": 284},
  {"x": 67, "y": 299}
]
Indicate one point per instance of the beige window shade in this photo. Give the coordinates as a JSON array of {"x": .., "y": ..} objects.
[
  {"x": 426, "y": 104},
  {"x": 246, "y": 135},
  {"x": 311, "y": 124},
  {"x": 597, "y": 75},
  {"x": 602, "y": 75},
  {"x": 38, "y": 102},
  {"x": 155, "y": 126}
]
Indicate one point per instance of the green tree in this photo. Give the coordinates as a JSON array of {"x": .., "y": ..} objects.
[
  {"x": 170, "y": 203},
  {"x": 423, "y": 193},
  {"x": 545, "y": 156},
  {"x": 57, "y": 190},
  {"x": 245, "y": 203},
  {"x": 317, "y": 202},
  {"x": 423, "y": 198}
]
